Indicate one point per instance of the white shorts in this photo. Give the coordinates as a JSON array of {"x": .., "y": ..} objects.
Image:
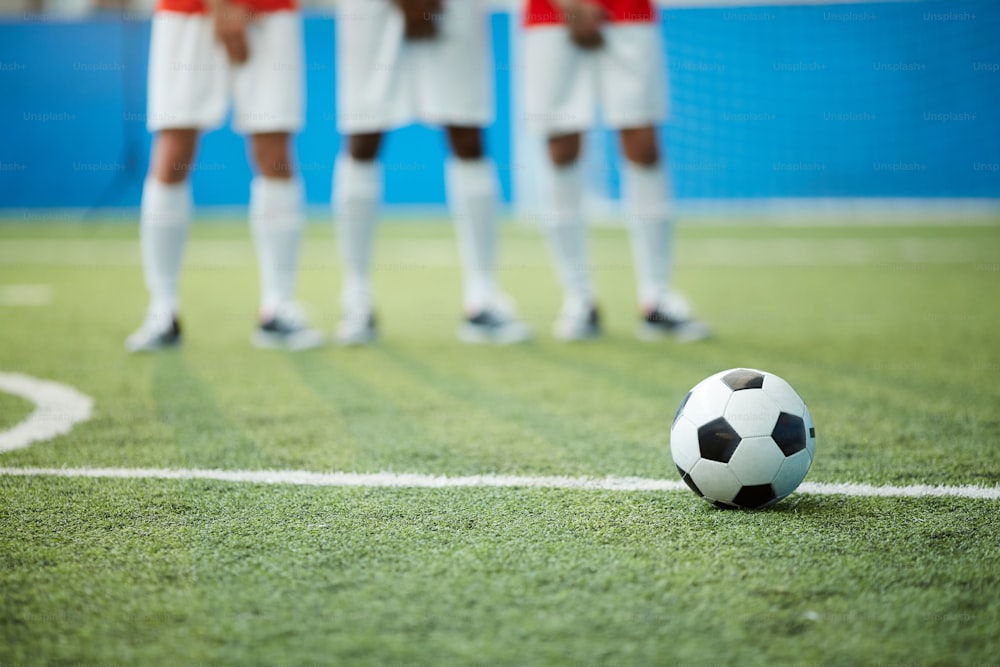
[
  {"x": 191, "y": 80},
  {"x": 565, "y": 85},
  {"x": 385, "y": 81}
]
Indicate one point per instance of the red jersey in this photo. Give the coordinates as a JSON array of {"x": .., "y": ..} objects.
[
  {"x": 547, "y": 12},
  {"x": 201, "y": 6}
]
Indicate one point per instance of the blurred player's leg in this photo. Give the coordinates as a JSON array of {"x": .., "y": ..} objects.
[
  {"x": 644, "y": 195},
  {"x": 566, "y": 233},
  {"x": 455, "y": 91},
  {"x": 631, "y": 82},
  {"x": 187, "y": 73},
  {"x": 559, "y": 97},
  {"x": 165, "y": 214},
  {"x": 267, "y": 101},
  {"x": 387, "y": 78},
  {"x": 374, "y": 95},
  {"x": 164, "y": 217},
  {"x": 645, "y": 191},
  {"x": 276, "y": 219},
  {"x": 472, "y": 194},
  {"x": 276, "y": 224},
  {"x": 187, "y": 76},
  {"x": 357, "y": 191}
]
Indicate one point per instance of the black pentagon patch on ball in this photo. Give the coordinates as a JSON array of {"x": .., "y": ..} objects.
[
  {"x": 717, "y": 440},
  {"x": 789, "y": 433},
  {"x": 756, "y": 496},
  {"x": 742, "y": 378},
  {"x": 686, "y": 478},
  {"x": 680, "y": 409}
]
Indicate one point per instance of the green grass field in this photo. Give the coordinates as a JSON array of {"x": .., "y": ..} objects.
[{"x": 890, "y": 334}]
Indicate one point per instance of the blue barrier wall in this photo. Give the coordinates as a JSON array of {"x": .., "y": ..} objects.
[
  {"x": 74, "y": 113},
  {"x": 867, "y": 100}
]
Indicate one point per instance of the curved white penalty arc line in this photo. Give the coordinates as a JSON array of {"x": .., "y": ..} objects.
[
  {"x": 58, "y": 409},
  {"x": 420, "y": 481}
]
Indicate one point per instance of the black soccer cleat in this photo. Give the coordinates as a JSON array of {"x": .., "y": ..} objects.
[
  {"x": 671, "y": 318},
  {"x": 158, "y": 331}
]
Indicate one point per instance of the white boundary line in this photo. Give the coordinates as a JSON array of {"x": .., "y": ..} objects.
[
  {"x": 420, "y": 481},
  {"x": 58, "y": 409},
  {"x": 25, "y": 295}
]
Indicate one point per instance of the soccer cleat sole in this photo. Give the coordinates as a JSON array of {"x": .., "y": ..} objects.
[
  {"x": 357, "y": 339},
  {"x": 510, "y": 335},
  {"x": 577, "y": 336},
  {"x": 150, "y": 347},
  {"x": 691, "y": 332},
  {"x": 307, "y": 340}
]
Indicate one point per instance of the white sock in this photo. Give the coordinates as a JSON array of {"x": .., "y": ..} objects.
[
  {"x": 276, "y": 223},
  {"x": 357, "y": 191},
  {"x": 472, "y": 195},
  {"x": 567, "y": 233},
  {"x": 645, "y": 192},
  {"x": 164, "y": 216}
]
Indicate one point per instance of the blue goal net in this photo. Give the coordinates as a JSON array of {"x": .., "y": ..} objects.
[{"x": 795, "y": 105}]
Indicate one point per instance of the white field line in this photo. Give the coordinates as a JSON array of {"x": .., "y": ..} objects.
[
  {"x": 416, "y": 254},
  {"x": 58, "y": 409},
  {"x": 25, "y": 295},
  {"x": 419, "y": 481}
]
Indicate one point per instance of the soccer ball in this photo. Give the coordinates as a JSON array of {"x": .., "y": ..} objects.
[{"x": 743, "y": 438}]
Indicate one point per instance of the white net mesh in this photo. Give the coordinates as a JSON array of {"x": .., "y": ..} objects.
[{"x": 819, "y": 104}]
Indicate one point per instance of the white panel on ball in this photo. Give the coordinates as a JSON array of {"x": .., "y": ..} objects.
[
  {"x": 684, "y": 443},
  {"x": 707, "y": 399},
  {"x": 751, "y": 413},
  {"x": 792, "y": 472},
  {"x": 787, "y": 398},
  {"x": 756, "y": 461},
  {"x": 715, "y": 480}
]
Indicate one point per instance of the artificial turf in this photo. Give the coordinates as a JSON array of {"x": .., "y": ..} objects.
[{"x": 890, "y": 334}]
